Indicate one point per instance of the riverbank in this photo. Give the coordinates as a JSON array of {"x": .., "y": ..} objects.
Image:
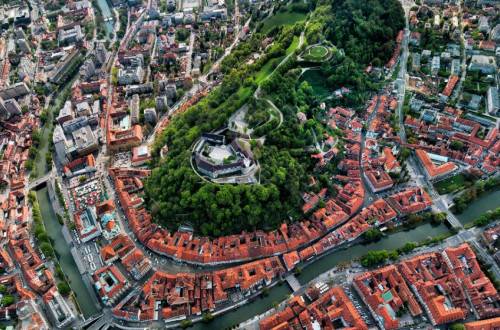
[
  {"x": 320, "y": 265},
  {"x": 488, "y": 202},
  {"x": 50, "y": 219},
  {"x": 64, "y": 256}
]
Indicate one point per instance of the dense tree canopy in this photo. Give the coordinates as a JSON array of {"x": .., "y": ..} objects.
[
  {"x": 366, "y": 30},
  {"x": 175, "y": 194}
]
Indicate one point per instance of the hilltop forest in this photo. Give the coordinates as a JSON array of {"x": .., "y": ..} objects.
[{"x": 175, "y": 194}]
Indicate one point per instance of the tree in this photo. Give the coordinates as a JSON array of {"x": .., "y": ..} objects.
[
  {"x": 3, "y": 289},
  {"x": 46, "y": 249},
  {"x": 457, "y": 326},
  {"x": 373, "y": 258},
  {"x": 405, "y": 153},
  {"x": 182, "y": 34},
  {"x": 7, "y": 300},
  {"x": 438, "y": 218},
  {"x": 373, "y": 235},
  {"x": 265, "y": 291},
  {"x": 207, "y": 317},
  {"x": 275, "y": 304},
  {"x": 394, "y": 255},
  {"x": 185, "y": 324},
  {"x": 63, "y": 288},
  {"x": 408, "y": 247},
  {"x": 297, "y": 270},
  {"x": 456, "y": 145}
]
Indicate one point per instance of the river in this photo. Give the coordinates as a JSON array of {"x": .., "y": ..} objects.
[
  {"x": 106, "y": 12},
  {"x": 64, "y": 255},
  {"x": 390, "y": 242},
  {"x": 52, "y": 225},
  {"x": 479, "y": 207},
  {"x": 318, "y": 267}
]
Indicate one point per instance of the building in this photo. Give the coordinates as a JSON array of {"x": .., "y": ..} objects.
[
  {"x": 133, "y": 73},
  {"x": 26, "y": 69},
  {"x": 100, "y": 54},
  {"x": 140, "y": 155},
  {"x": 435, "y": 65},
  {"x": 71, "y": 35},
  {"x": 87, "y": 70},
  {"x": 435, "y": 165},
  {"x": 240, "y": 160},
  {"x": 86, "y": 224},
  {"x": 134, "y": 109},
  {"x": 110, "y": 284},
  {"x": 58, "y": 309},
  {"x": 410, "y": 201},
  {"x": 150, "y": 115},
  {"x": 16, "y": 90},
  {"x": 161, "y": 103},
  {"x": 415, "y": 62},
  {"x": 19, "y": 32},
  {"x": 483, "y": 63},
  {"x": 23, "y": 45},
  {"x": 484, "y": 25},
  {"x": 385, "y": 292},
  {"x": 492, "y": 102},
  {"x": 12, "y": 107},
  {"x": 490, "y": 324},
  {"x": 481, "y": 292},
  {"x": 495, "y": 33},
  {"x": 378, "y": 180},
  {"x": 85, "y": 141},
  {"x": 427, "y": 271}
]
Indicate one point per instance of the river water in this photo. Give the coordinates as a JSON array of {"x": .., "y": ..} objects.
[
  {"x": 106, "y": 12},
  {"x": 52, "y": 225},
  {"x": 318, "y": 267},
  {"x": 487, "y": 203},
  {"x": 64, "y": 255}
]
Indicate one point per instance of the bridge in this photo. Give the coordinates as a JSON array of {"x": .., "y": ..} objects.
[
  {"x": 40, "y": 181},
  {"x": 293, "y": 282},
  {"x": 90, "y": 320},
  {"x": 102, "y": 324}
]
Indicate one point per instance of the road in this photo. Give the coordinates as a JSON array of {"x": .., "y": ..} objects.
[{"x": 189, "y": 54}]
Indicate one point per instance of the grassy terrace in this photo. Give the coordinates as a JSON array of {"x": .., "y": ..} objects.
[
  {"x": 267, "y": 69},
  {"x": 450, "y": 184},
  {"x": 283, "y": 18}
]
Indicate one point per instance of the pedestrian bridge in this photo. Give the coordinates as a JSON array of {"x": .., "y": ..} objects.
[{"x": 293, "y": 282}]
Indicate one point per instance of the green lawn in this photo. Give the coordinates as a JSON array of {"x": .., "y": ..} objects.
[
  {"x": 282, "y": 18},
  {"x": 293, "y": 45},
  {"x": 267, "y": 68},
  {"x": 318, "y": 51},
  {"x": 450, "y": 184},
  {"x": 244, "y": 92}
]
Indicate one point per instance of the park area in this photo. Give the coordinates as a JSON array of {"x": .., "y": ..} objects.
[
  {"x": 317, "y": 81},
  {"x": 318, "y": 51},
  {"x": 283, "y": 18},
  {"x": 450, "y": 184}
]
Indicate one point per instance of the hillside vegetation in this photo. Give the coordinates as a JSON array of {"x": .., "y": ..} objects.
[{"x": 175, "y": 194}]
